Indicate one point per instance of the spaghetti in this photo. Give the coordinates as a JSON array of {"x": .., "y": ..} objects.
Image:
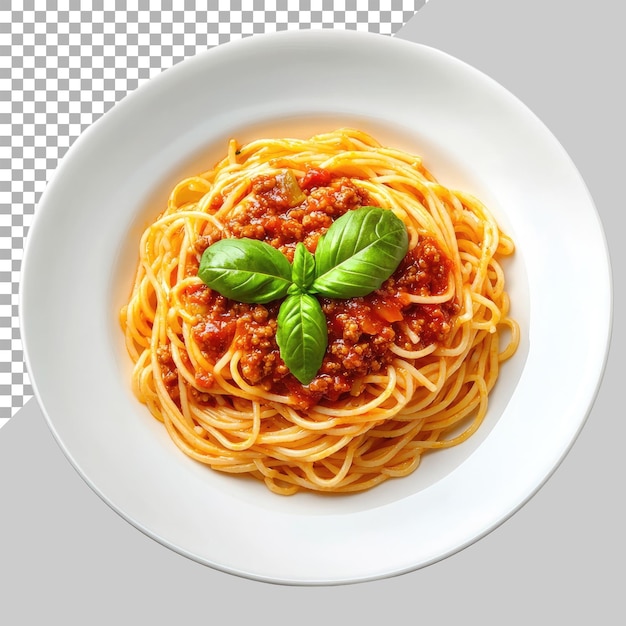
[{"x": 408, "y": 368}]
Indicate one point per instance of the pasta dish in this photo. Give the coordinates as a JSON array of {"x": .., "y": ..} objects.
[{"x": 319, "y": 313}]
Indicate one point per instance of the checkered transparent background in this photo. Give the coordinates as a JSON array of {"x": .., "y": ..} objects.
[{"x": 63, "y": 67}]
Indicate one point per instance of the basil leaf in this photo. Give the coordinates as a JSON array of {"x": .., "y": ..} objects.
[
  {"x": 359, "y": 252},
  {"x": 302, "y": 335},
  {"x": 303, "y": 267},
  {"x": 246, "y": 270}
]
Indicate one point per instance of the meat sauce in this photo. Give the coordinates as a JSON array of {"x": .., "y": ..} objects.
[{"x": 361, "y": 330}]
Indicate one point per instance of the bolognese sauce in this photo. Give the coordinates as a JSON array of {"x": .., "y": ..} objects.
[{"x": 361, "y": 331}]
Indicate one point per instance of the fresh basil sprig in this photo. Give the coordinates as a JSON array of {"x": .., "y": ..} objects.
[{"x": 359, "y": 251}]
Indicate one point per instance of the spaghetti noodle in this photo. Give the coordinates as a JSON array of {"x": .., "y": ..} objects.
[{"x": 408, "y": 368}]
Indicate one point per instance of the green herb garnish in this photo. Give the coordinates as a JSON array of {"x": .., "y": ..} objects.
[
  {"x": 302, "y": 335},
  {"x": 354, "y": 257},
  {"x": 246, "y": 270}
]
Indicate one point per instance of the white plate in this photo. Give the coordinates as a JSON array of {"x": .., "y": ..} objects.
[{"x": 473, "y": 134}]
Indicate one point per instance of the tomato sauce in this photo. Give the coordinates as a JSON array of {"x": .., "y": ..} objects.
[{"x": 361, "y": 331}]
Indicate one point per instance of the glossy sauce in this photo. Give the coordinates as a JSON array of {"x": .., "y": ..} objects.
[{"x": 360, "y": 330}]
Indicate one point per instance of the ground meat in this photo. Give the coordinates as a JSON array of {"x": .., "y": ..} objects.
[
  {"x": 270, "y": 215},
  {"x": 169, "y": 372},
  {"x": 216, "y": 325},
  {"x": 361, "y": 331},
  {"x": 256, "y": 338}
]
